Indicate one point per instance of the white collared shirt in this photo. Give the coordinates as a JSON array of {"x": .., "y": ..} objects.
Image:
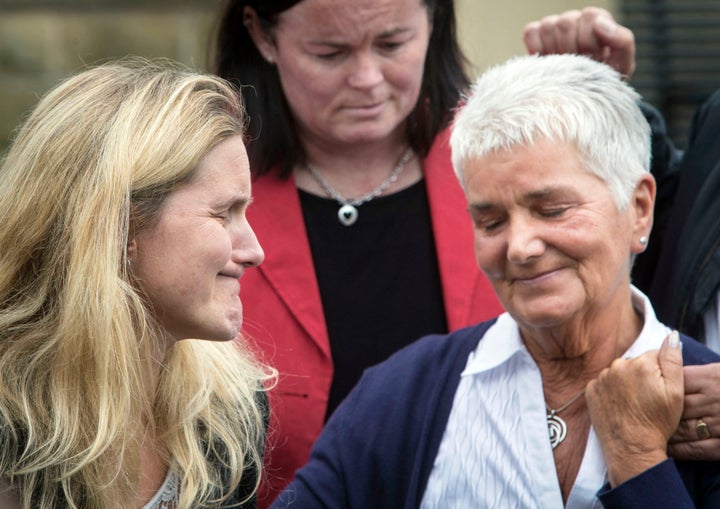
[{"x": 496, "y": 451}]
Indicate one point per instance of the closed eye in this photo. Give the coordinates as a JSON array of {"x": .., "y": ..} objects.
[
  {"x": 551, "y": 210},
  {"x": 554, "y": 212},
  {"x": 491, "y": 226},
  {"x": 486, "y": 217},
  {"x": 488, "y": 224},
  {"x": 390, "y": 46},
  {"x": 329, "y": 56},
  {"x": 222, "y": 217},
  {"x": 230, "y": 209}
]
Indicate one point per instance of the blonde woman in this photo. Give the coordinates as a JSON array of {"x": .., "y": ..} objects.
[{"x": 123, "y": 237}]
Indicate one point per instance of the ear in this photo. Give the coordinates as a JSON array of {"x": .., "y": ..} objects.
[
  {"x": 262, "y": 39},
  {"x": 642, "y": 202},
  {"x": 131, "y": 250}
]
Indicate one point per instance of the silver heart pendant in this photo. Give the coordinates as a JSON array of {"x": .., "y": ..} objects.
[{"x": 347, "y": 214}]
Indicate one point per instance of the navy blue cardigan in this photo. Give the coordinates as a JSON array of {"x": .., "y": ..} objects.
[{"x": 378, "y": 448}]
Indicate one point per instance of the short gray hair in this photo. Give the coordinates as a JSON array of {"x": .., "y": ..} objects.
[{"x": 566, "y": 98}]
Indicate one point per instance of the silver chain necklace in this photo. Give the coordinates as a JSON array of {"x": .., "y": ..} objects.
[
  {"x": 348, "y": 213},
  {"x": 556, "y": 426}
]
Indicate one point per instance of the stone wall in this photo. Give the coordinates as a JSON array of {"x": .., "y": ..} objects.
[{"x": 41, "y": 44}]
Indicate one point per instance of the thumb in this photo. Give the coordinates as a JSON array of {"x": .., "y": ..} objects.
[{"x": 671, "y": 362}]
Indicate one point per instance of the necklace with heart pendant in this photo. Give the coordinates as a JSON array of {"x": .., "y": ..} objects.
[{"x": 348, "y": 213}]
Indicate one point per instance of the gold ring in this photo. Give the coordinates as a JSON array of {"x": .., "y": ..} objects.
[{"x": 702, "y": 430}]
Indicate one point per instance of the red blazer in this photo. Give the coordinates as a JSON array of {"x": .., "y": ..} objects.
[{"x": 283, "y": 313}]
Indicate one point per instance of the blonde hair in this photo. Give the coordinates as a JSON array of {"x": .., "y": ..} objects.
[{"x": 82, "y": 370}]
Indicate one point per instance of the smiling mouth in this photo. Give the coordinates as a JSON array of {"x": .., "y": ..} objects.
[
  {"x": 231, "y": 276},
  {"x": 535, "y": 278}
]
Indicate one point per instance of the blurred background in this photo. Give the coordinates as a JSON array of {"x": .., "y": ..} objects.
[{"x": 43, "y": 41}]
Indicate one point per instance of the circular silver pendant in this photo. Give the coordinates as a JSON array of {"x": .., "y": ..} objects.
[
  {"x": 347, "y": 214},
  {"x": 557, "y": 429}
]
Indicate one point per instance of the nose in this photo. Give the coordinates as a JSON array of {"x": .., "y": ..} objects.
[
  {"x": 523, "y": 241},
  {"x": 366, "y": 71},
  {"x": 246, "y": 249}
]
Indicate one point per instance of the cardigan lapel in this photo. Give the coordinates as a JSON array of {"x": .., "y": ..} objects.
[{"x": 277, "y": 218}]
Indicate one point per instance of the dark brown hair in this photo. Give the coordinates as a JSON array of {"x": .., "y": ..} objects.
[{"x": 273, "y": 141}]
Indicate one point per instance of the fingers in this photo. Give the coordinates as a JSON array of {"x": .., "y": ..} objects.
[
  {"x": 700, "y": 405},
  {"x": 553, "y": 34},
  {"x": 618, "y": 43},
  {"x": 701, "y": 379},
  {"x": 588, "y": 42},
  {"x": 591, "y": 31},
  {"x": 698, "y": 434},
  {"x": 549, "y": 34},
  {"x": 531, "y": 38},
  {"x": 560, "y": 33},
  {"x": 646, "y": 391},
  {"x": 705, "y": 450},
  {"x": 634, "y": 394},
  {"x": 702, "y": 392},
  {"x": 687, "y": 430}
]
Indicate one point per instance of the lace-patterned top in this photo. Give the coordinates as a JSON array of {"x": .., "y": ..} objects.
[{"x": 167, "y": 497}]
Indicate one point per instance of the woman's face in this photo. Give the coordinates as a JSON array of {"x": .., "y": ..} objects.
[
  {"x": 351, "y": 70},
  {"x": 190, "y": 261},
  {"x": 548, "y": 234}
]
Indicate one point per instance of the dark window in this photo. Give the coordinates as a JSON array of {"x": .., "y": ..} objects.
[{"x": 678, "y": 55}]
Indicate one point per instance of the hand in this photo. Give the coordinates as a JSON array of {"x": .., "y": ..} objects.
[
  {"x": 592, "y": 32},
  {"x": 635, "y": 406},
  {"x": 702, "y": 401}
]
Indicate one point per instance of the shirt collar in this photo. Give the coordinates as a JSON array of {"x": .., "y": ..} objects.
[{"x": 502, "y": 340}]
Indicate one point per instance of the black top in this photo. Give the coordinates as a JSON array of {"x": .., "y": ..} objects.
[
  {"x": 685, "y": 277},
  {"x": 379, "y": 279}
]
